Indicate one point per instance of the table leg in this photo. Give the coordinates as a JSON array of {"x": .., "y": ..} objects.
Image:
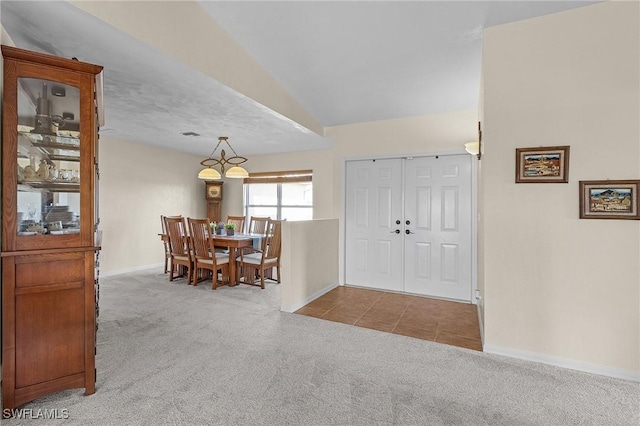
[{"x": 232, "y": 267}]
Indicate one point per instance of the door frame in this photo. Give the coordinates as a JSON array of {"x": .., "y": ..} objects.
[{"x": 474, "y": 211}]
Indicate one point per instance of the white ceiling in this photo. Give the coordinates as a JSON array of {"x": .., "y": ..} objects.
[{"x": 343, "y": 61}]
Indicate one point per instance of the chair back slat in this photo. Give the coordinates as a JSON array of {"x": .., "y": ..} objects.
[
  {"x": 162, "y": 222},
  {"x": 258, "y": 225},
  {"x": 177, "y": 231},
  {"x": 201, "y": 238}
]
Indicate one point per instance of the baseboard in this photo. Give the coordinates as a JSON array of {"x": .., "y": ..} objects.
[
  {"x": 160, "y": 267},
  {"x": 603, "y": 370},
  {"x": 311, "y": 298}
]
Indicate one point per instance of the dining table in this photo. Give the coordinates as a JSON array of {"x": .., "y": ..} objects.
[{"x": 233, "y": 243}]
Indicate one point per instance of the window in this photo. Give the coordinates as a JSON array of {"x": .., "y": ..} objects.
[{"x": 279, "y": 195}]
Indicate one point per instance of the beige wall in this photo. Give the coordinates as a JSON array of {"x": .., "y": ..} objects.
[
  {"x": 308, "y": 269},
  {"x": 558, "y": 288},
  {"x": 138, "y": 183}
]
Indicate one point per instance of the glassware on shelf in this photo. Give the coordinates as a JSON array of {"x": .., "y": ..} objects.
[{"x": 31, "y": 211}]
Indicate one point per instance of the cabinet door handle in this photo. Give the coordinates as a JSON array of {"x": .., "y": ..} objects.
[
  {"x": 408, "y": 232},
  {"x": 397, "y": 231}
]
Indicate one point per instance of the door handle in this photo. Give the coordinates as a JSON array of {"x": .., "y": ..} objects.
[
  {"x": 408, "y": 232},
  {"x": 397, "y": 231}
]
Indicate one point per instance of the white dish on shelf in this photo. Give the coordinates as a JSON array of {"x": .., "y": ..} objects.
[
  {"x": 27, "y": 233},
  {"x": 65, "y": 231}
]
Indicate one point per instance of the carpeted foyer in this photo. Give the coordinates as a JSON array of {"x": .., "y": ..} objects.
[{"x": 172, "y": 354}]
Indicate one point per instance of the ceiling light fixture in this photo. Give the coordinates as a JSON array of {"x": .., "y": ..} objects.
[{"x": 235, "y": 171}]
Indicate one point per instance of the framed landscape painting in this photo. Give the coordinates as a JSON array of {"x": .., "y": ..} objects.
[
  {"x": 609, "y": 199},
  {"x": 542, "y": 165}
]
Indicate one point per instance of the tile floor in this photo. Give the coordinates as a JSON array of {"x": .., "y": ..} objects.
[{"x": 441, "y": 321}]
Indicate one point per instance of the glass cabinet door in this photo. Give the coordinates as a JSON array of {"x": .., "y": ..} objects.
[{"x": 48, "y": 145}]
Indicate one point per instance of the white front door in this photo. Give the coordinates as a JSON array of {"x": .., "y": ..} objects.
[
  {"x": 374, "y": 204},
  {"x": 438, "y": 221},
  {"x": 429, "y": 251}
]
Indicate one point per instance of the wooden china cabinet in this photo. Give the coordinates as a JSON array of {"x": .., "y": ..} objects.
[
  {"x": 214, "y": 200},
  {"x": 49, "y": 225}
]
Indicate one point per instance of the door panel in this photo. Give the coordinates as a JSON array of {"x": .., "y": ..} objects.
[
  {"x": 440, "y": 218},
  {"x": 373, "y": 204},
  {"x": 450, "y": 209},
  {"x": 423, "y": 208},
  {"x": 361, "y": 254},
  {"x": 450, "y": 263},
  {"x": 422, "y": 260},
  {"x": 383, "y": 256}
]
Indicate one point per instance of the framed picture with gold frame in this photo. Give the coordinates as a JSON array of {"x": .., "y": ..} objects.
[
  {"x": 548, "y": 164},
  {"x": 214, "y": 190}
]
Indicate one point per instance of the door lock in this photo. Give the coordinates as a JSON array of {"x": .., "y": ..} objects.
[
  {"x": 408, "y": 222},
  {"x": 398, "y": 222}
]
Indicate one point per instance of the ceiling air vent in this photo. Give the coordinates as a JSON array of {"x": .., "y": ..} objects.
[{"x": 190, "y": 134}]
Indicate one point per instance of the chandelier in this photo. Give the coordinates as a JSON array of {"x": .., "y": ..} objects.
[{"x": 235, "y": 171}]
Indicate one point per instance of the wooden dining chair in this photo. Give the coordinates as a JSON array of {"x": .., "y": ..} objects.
[
  {"x": 267, "y": 258},
  {"x": 165, "y": 241},
  {"x": 178, "y": 246},
  {"x": 204, "y": 255},
  {"x": 258, "y": 225},
  {"x": 238, "y": 221}
]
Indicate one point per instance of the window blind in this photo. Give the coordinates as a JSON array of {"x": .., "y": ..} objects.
[{"x": 280, "y": 177}]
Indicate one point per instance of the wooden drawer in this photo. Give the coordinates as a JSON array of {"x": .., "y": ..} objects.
[{"x": 48, "y": 269}]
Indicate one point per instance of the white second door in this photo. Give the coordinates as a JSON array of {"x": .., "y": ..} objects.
[
  {"x": 374, "y": 204},
  {"x": 429, "y": 251}
]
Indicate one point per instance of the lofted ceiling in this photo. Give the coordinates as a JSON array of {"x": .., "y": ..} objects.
[{"x": 343, "y": 61}]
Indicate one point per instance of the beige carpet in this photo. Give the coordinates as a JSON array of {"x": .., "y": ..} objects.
[{"x": 170, "y": 354}]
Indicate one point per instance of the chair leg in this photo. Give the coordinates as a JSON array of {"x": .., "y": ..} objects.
[
  {"x": 262, "y": 279},
  {"x": 250, "y": 274}
]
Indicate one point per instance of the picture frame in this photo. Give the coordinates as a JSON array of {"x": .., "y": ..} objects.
[
  {"x": 548, "y": 164},
  {"x": 610, "y": 199}
]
